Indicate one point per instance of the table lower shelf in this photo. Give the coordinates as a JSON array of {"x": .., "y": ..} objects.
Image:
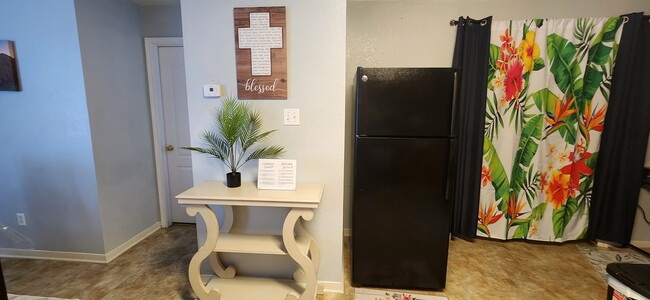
[
  {"x": 253, "y": 288},
  {"x": 257, "y": 244}
]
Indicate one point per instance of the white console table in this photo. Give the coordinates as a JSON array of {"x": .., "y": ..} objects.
[{"x": 294, "y": 241}]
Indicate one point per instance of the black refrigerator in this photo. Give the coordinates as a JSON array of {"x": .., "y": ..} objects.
[{"x": 403, "y": 171}]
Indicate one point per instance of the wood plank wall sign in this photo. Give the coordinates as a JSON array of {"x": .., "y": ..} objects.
[{"x": 260, "y": 48}]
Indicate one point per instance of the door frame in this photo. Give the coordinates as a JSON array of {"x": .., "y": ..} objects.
[{"x": 157, "y": 121}]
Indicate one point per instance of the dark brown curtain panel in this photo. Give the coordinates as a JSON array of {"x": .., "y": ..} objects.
[
  {"x": 471, "y": 58},
  {"x": 625, "y": 137}
]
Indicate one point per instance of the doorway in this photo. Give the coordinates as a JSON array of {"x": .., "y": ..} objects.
[{"x": 168, "y": 101}]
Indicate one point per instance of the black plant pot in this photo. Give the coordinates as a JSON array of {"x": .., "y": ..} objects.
[{"x": 233, "y": 179}]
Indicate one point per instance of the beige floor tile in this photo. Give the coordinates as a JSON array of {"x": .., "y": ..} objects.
[{"x": 157, "y": 269}]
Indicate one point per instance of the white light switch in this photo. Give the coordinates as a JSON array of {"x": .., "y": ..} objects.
[
  {"x": 291, "y": 116},
  {"x": 211, "y": 90}
]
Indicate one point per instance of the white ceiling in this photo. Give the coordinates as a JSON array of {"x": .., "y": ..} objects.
[{"x": 157, "y": 2}]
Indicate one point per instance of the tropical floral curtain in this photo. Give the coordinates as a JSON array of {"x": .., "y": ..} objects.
[{"x": 547, "y": 95}]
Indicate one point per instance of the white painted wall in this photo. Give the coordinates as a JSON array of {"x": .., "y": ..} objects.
[
  {"x": 112, "y": 52},
  {"x": 416, "y": 33},
  {"x": 161, "y": 20},
  {"x": 46, "y": 160},
  {"x": 316, "y": 64}
]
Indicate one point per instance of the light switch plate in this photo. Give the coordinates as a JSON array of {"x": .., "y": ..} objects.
[
  {"x": 211, "y": 90},
  {"x": 291, "y": 116}
]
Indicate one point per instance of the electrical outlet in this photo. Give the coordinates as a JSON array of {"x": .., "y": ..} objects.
[
  {"x": 21, "y": 219},
  {"x": 291, "y": 116}
]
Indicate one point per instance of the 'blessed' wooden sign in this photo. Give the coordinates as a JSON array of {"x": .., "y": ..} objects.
[{"x": 260, "y": 48}]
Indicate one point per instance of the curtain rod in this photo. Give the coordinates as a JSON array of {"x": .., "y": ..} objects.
[
  {"x": 470, "y": 21},
  {"x": 484, "y": 22}
]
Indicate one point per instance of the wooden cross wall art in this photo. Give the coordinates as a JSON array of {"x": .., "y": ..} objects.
[{"x": 260, "y": 49}]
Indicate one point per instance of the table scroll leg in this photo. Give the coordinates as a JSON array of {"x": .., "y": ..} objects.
[
  {"x": 314, "y": 251},
  {"x": 212, "y": 232},
  {"x": 303, "y": 260},
  {"x": 218, "y": 268},
  {"x": 314, "y": 254},
  {"x": 215, "y": 261},
  {"x": 227, "y": 218}
]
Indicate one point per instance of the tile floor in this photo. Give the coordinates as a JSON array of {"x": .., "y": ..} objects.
[{"x": 156, "y": 269}]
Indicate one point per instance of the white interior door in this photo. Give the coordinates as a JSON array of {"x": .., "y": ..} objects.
[{"x": 176, "y": 128}]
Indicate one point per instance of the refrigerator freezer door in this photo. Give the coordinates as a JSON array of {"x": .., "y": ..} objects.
[
  {"x": 413, "y": 102},
  {"x": 400, "y": 224}
]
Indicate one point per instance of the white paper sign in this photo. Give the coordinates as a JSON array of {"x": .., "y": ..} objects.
[{"x": 276, "y": 174}]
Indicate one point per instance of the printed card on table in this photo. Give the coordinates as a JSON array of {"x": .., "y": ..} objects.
[{"x": 276, "y": 174}]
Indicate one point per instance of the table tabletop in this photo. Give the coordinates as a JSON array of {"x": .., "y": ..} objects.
[{"x": 306, "y": 195}]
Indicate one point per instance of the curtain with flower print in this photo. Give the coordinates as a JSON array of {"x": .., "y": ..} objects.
[{"x": 547, "y": 95}]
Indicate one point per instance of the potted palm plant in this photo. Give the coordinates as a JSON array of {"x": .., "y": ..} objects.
[{"x": 239, "y": 128}]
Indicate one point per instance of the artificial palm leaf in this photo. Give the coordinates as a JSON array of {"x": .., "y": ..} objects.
[{"x": 239, "y": 128}]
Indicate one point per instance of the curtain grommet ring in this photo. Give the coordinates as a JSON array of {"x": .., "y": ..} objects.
[
  {"x": 483, "y": 22},
  {"x": 625, "y": 19}
]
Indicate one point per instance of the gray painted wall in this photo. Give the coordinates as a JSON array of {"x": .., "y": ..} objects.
[
  {"x": 316, "y": 63},
  {"x": 112, "y": 52},
  {"x": 411, "y": 33},
  {"x": 161, "y": 20},
  {"x": 46, "y": 158}
]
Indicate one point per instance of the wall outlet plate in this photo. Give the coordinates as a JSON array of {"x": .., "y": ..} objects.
[
  {"x": 291, "y": 116},
  {"x": 21, "y": 219}
]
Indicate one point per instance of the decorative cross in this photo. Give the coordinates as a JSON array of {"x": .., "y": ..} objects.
[{"x": 260, "y": 38}]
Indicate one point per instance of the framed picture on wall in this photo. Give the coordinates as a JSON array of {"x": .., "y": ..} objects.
[
  {"x": 9, "y": 80},
  {"x": 261, "y": 53}
]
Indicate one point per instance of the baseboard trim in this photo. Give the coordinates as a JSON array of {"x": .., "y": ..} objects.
[
  {"x": 79, "y": 256},
  {"x": 52, "y": 255},
  {"x": 333, "y": 287},
  {"x": 347, "y": 232},
  {"x": 113, "y": 254},
  {"x": 640, "y": 244}
]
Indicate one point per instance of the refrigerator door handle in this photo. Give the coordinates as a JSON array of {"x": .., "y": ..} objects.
[
  {"x": 454, "y": 106},
  {"x": 447, "y": 185},
  {"x": 451, "y": 167}
]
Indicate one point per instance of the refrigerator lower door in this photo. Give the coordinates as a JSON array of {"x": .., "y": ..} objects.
[{"x": 400, "y": 217}]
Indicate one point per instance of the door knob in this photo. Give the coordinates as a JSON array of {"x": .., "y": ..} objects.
[{"x": 169, "y": 148}]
